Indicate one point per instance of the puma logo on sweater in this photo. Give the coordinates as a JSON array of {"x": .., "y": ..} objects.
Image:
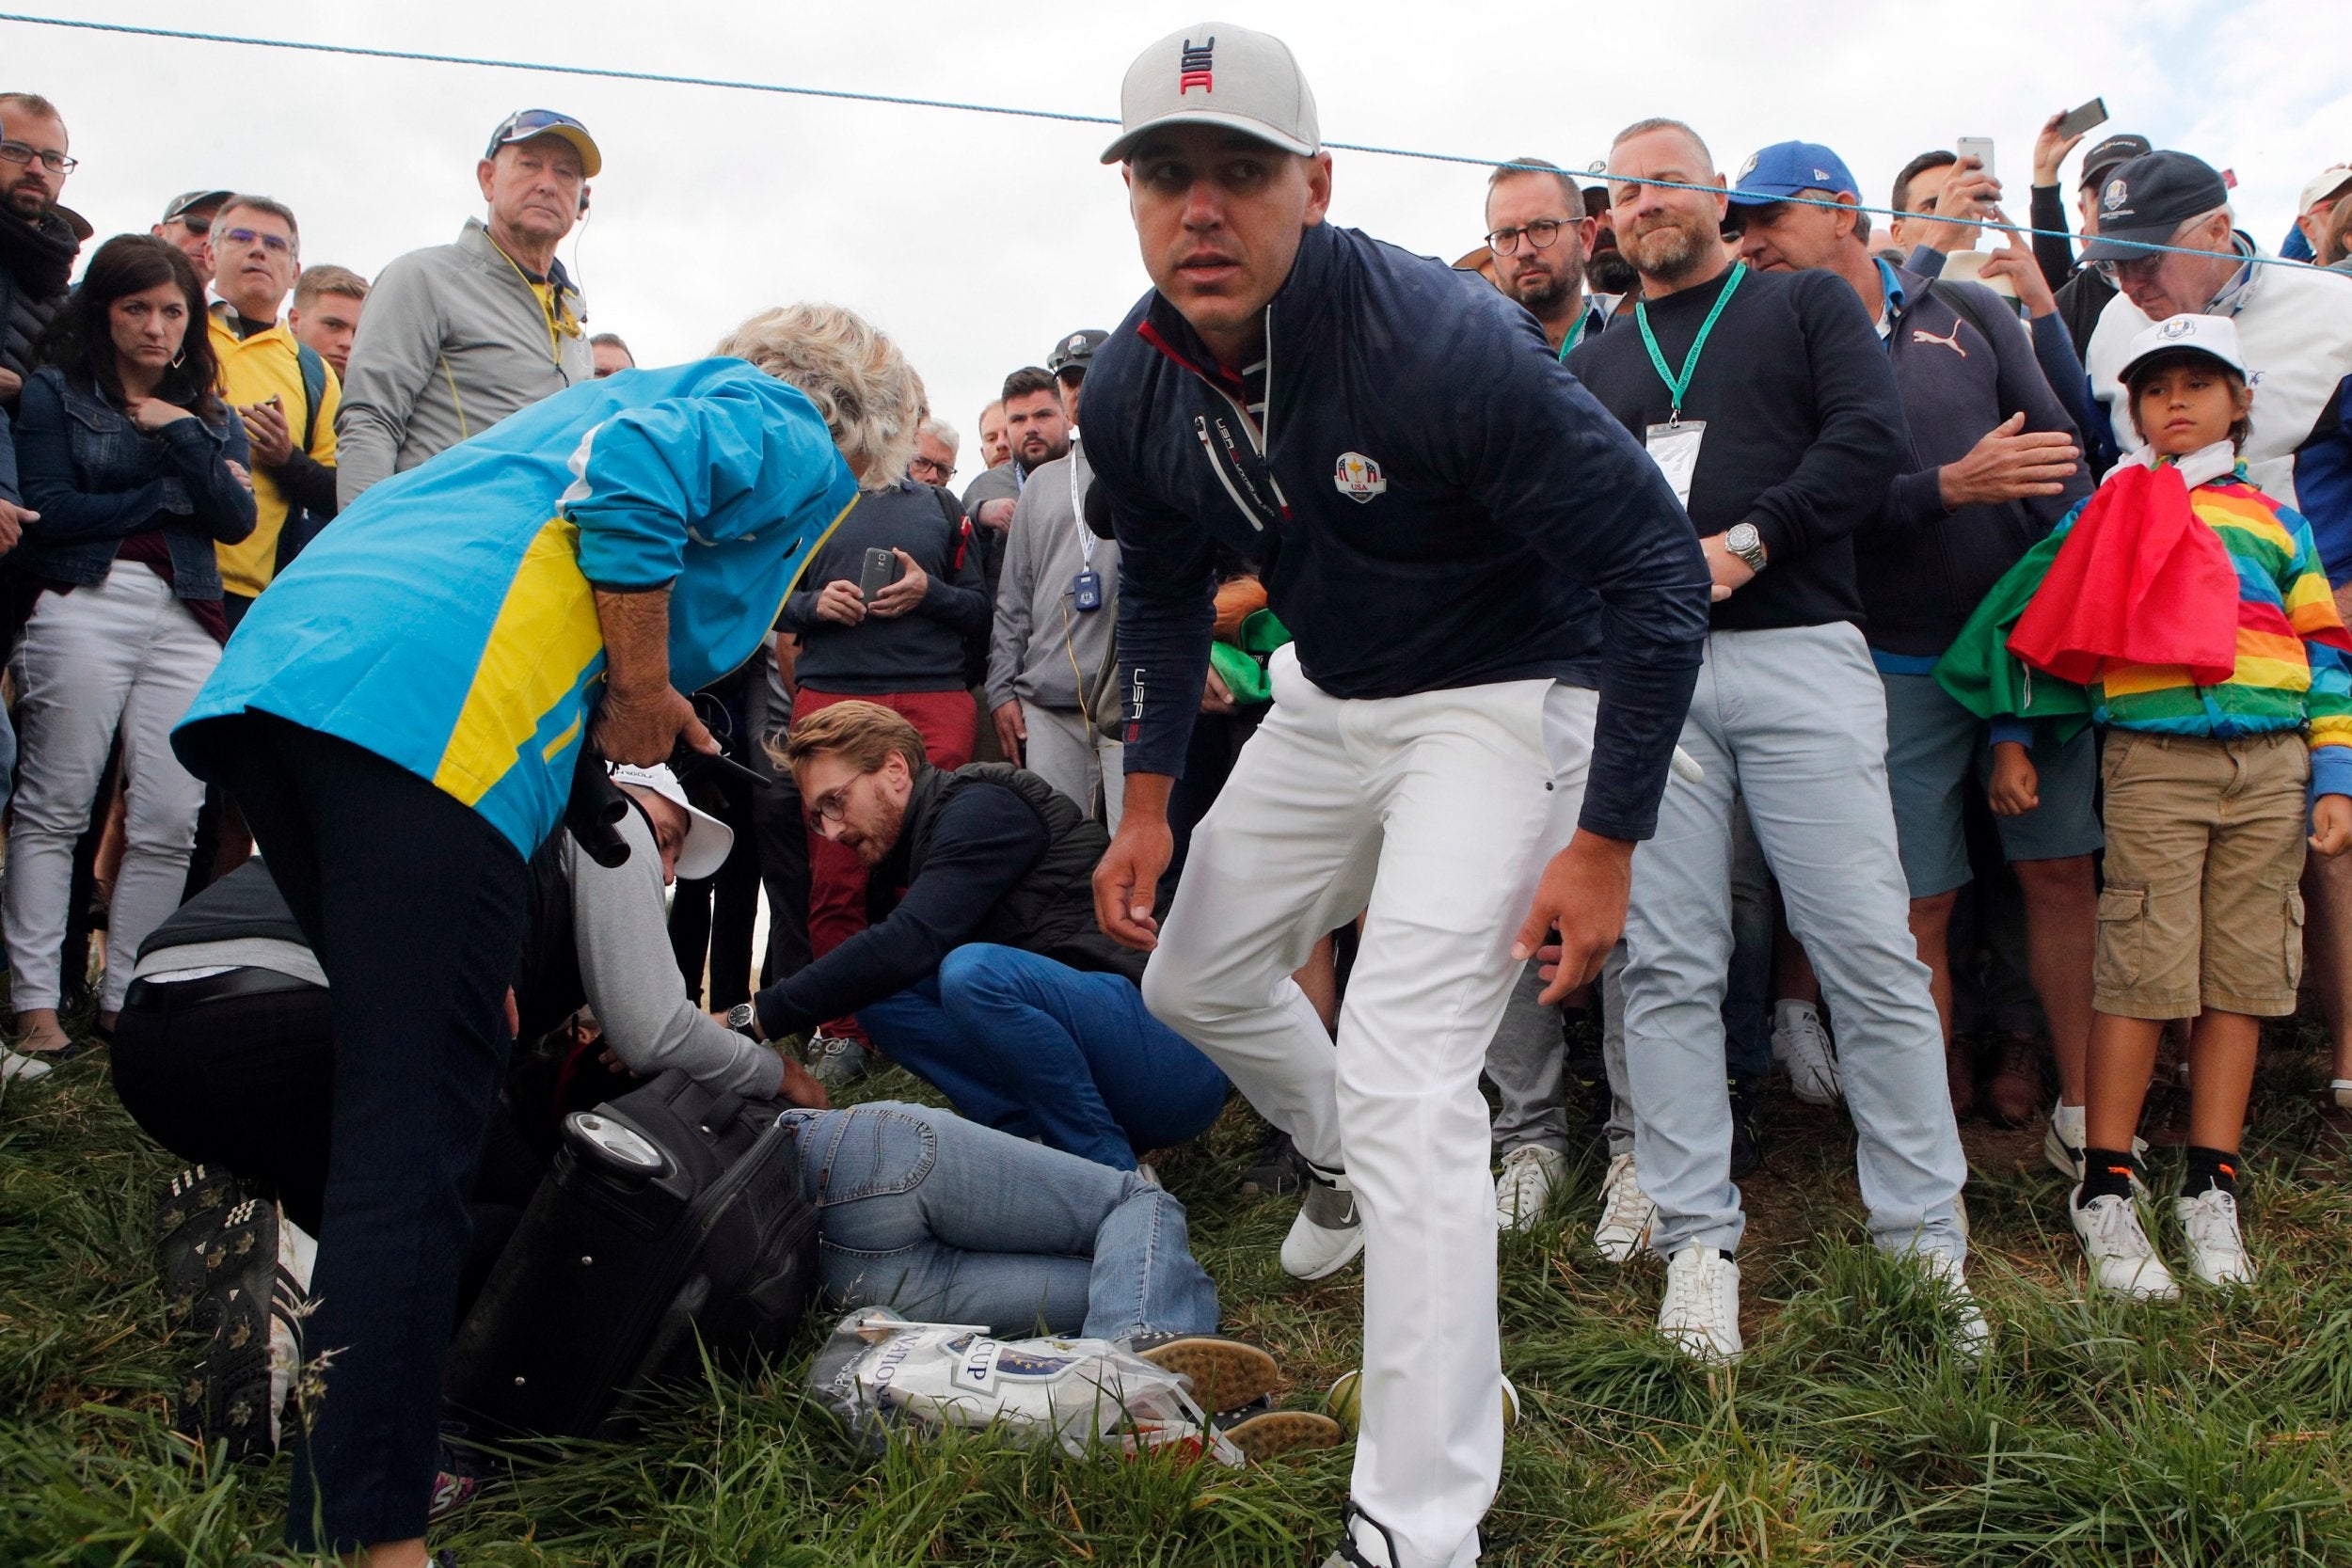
[{"x": 1921, "y": 335}]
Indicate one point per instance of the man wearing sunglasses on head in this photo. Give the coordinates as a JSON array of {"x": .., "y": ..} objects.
[
  {"x": 457, "y": 336},
  {"x": 283, "y": 389}
]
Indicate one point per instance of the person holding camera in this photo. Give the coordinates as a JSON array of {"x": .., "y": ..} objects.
[{"x": 884, "y": 614}]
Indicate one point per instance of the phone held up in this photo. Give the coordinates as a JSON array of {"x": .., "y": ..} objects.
[
  {"x": 878, "y": 571},
  {"x": 1978, "y": 147},
  {"x": 2076, "y": 121}
]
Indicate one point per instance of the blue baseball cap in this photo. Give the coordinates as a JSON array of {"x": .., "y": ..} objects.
[{"x": 1786, "y": 168}]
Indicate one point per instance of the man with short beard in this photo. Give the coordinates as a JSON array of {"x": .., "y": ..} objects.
[
  {"x": 1541, "y": 238},
  {"x": 37, "y": 242},
  {"x": 1769, "y": 400}
]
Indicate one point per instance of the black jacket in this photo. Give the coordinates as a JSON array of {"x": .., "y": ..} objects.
[
  {"x": 1921, "y": 568},
  {"x": 987, "y": 853},
  {"x": 1432, "y": 502},
  {"x": 1804, "y": 429},
  {"x": 920, "y": 651}
]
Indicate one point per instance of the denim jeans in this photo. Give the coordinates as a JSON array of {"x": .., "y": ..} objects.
[
  {"x": 949, "y": 1222},
  {"x": 1036, "y": 1049}
]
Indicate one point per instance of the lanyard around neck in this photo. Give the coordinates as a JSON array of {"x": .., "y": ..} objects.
[
  {"x": 1576, "y": 332},
  {"x": 1677, "y": 386},
  {"x": 1077, "y": 506}
]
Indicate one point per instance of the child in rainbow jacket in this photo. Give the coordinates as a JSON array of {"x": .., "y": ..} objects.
[{"x": 2187, "y": 613}]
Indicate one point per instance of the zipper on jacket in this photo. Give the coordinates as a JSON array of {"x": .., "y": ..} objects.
[{"x": 1208, "y": 449}]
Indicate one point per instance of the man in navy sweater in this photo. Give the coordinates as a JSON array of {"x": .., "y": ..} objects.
[
  {"x": 1494, "y": 599},
  {"x": 1770, "y": 398}
]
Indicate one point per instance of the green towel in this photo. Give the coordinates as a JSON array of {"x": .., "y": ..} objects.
[{"x": 1988, "y": 680}]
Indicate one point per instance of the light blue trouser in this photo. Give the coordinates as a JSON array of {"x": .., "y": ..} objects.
[
  {"x": 946, "y": 1221},
  {"x": 1794, "y": 721}
]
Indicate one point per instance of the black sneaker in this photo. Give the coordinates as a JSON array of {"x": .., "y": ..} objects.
[
  {"x": 1746, "y": 1154},
  {"x": 1274, "y": 1170},
  {"x": 229, "y": 1397},
  {"x": 188, "y": 1217}
]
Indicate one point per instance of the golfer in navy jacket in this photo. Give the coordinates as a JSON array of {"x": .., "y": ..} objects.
[{"x": 1494, "y": 596}]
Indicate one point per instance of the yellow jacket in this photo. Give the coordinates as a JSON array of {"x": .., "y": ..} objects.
[{"x": 252, "y": 370}]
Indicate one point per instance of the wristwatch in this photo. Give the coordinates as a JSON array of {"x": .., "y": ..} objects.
[
  {"x": 744, "y": 1020},
  {"x": 1742, "y": 540}
]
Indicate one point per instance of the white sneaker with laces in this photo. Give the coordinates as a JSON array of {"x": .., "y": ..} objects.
[
  {"x": 1700, "y": 1316},
  {"x": 1328, "y": 1232},
  {"x": 1522, "y": 1192},
  {"x": 2216, "y": 1247},
  {"x": 1971, "y": 1334},
  {"x": 1800, "y": 1048},
  {"x": 1626, "y": 1212},
  {"x": 2122, "y": 1261},
  {"x": 2063, "y": 1144}
]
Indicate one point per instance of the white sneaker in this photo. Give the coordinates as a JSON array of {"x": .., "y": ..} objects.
[
  {"x": 1971, "y": 1334},
  {"x": 1626, "y": 1212},
  {"x": 1700, "y": 1315},
  {"x": 2216, "y": 1247},
  {"x": 1802, "y": 1049},
  {"x": 2122, "y": 1258},
  {"x": 2063, "y": 1144},
  {"x": 17, "y": 1067},
  {"x": 1530, "y": 1172},
  {"x": 1328, "y": 1232}
]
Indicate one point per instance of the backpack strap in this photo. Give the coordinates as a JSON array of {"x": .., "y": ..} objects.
[{"x": 313, "y": 388}]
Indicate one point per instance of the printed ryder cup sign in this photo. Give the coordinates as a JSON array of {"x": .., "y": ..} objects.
[{"x": 1358, "y": 477}]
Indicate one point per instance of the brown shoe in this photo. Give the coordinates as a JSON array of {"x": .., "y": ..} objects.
[
  {"x": 2329, "y": 1141},
  {"x": 1960, "y": 1075},
  {"x": 2014, "y": 1095}
]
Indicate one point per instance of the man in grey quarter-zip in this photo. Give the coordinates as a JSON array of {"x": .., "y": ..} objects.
[
  {"x": 1445, "y": 521},
  {"x": 456, "y": 337}
]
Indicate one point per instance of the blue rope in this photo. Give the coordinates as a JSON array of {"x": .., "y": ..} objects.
[{"x": 609, "y": 73}]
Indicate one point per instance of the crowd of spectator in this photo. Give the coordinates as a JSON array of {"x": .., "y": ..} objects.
[{"x": 1989, "y": 592}]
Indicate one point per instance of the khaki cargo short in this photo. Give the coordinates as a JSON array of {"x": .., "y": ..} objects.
[{"x": 2204, "y": 851}]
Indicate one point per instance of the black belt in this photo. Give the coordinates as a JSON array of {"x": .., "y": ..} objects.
[{"x": 244, "y": 980}]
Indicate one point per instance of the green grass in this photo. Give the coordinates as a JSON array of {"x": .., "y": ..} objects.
[{"x": 2096, "y": 1433}]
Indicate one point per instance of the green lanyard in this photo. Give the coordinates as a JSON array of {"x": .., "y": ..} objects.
[
  {"x": 1677, "y": 386},
  {"x": 1575, "y": 333}
]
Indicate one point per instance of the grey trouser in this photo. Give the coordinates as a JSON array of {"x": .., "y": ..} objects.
[
  {"x": 1795, "y": 721},
  {"x": 1524, "y": 1063}
]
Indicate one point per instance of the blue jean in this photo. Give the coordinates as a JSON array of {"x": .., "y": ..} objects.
[
  {"x": 949, "y": 1222},
  {"x": 1036, "y": 1049}
]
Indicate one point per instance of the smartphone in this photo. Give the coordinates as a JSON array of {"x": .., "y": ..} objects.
[
  {"x": 2079, "y": 121},
  {"x": 880, "y": 569},
  {"x": 1978, "y": 147}
]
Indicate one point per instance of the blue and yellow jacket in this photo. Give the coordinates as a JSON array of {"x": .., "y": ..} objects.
[{"x": 446, "y": 622}]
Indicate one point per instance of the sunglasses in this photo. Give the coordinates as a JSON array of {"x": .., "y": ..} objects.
[
  {"x": 276, "y": 244},
  {"x": 525, "y": 123}
]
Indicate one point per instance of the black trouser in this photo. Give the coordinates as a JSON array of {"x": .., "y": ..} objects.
[
  {"x": 247, "y": 1083},
  {"x": 415, "y": 907},
  {"x": 782, "y": 833}
]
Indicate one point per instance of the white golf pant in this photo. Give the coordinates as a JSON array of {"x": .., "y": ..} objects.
[
  {"x": 123, "y": 652},
  {"x": 1437, "y": 812}
]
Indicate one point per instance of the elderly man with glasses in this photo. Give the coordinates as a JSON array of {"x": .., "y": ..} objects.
[
  {"x": 2170, "y": 242},
  {"x": 457, "y": 336}
]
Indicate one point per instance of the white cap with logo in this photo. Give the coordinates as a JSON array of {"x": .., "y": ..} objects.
[
  {"x": 2215, "y": 337},
  {"x": 1216, "y": 74},
  {"x": 2320, "y": 186},
  {"x": 708, "y": 839}
]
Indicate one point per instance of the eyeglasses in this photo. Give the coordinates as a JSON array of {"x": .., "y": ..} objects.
[
  {"x": 832, "y": 806},
  {"x": 1539, "y": 234},
  {"x": 55, "y": 163},
  {"x": 276, "y": 244},
  {"x": 2136, "y": 268},
  {"x": 931, "y": 473},
  {"x": 195, "y": 222}
]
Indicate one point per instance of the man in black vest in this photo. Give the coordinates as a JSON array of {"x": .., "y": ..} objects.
[{"x": 987, "y": 975}]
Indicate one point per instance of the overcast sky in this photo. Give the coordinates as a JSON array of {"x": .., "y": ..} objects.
[{"x": 979, "y": 239}]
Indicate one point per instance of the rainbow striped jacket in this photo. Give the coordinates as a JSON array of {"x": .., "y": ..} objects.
[
  {"x": 445, "y": 621},
  {"x": 2284, "y": 680}
]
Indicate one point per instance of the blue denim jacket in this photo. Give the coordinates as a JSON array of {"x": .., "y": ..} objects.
[{"x": 97, "y": 478}]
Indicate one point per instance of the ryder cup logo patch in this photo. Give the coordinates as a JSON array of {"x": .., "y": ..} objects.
[
  {"x": 2115, "y": 195},
  {"x": 2179, "y": 326},
  {"x": 1076, "y": 345},
  {"x": 1193, "y": 67},
  {"x": 1358, "y": 477}
]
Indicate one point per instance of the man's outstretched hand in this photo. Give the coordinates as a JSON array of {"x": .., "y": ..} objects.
[
  {"x": 1582, "y": 896},
  {"x": 1127, "y": 878}
]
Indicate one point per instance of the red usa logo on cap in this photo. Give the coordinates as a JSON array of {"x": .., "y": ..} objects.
[{"x": 1193, "y": 68}]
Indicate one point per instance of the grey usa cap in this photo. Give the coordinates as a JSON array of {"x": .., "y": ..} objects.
[{"x": 1216, "y": 74}]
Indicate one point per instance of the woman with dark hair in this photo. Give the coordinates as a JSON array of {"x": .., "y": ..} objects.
[{"x": 135, "y": 469}]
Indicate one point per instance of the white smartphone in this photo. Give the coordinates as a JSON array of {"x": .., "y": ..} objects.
[{"x": 1978, "y": 147}]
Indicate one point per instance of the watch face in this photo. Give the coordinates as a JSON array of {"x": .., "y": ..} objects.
[{"x": 739, "y": 1015}]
